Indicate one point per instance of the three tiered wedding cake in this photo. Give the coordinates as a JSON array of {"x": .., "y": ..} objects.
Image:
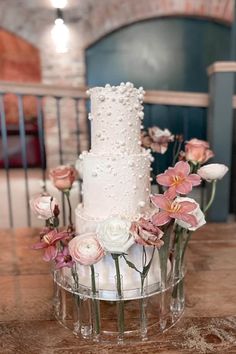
[{"x": 116, "y": 179}]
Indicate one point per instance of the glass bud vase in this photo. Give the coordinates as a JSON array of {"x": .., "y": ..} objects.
[{"x": 178, "y": 297}]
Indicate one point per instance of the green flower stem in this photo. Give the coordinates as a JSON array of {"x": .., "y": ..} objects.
[
  {"x": 185, "y": 245},
  {"x": 213, "y": 192},
  {"x": 177, "y": 151},
  {"x": 179, "y": 258},
  {"x": 76, "y": 280},
  {"x": 67, "y": 193},
  {"x": 119, "y": 292},
  {"x": 75, "y": 277},
  {"x": 164, "y": 253},
  {"x": 95, "y": 301}
]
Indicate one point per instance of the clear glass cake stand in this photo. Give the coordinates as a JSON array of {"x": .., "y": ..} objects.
[{"x": 133, "y": 316}]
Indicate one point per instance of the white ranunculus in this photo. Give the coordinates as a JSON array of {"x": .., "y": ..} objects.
[
  {"x": 43, "y": 206},
  {"x": 114, "y": 235},
  {"x": 196, "y": 212},
  {"x": 212, "y": 171}
]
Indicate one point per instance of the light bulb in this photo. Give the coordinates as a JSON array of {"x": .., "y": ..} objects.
[
  {"x": 60, "y": 35},
  {"x": 59, "y": 4}
]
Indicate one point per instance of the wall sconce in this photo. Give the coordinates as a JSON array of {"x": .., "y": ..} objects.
[
  {"x": 60, "y": 32},
  {"x": 59, "y": 4}
]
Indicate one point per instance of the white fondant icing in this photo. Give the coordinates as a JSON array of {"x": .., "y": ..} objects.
[{"x": 117, "y": 110}]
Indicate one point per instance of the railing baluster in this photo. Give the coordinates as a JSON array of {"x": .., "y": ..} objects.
[
  {"x": 40, "y": 120},
  {"x": 186, "y": 122},
  {"x": 58, "y": 111},
  {"x": 6, "y": 157},
  {"x": 77, "y": 125},
  {"x": 76, "y": 100},
  {"x": 59, "y": 129},
  {"x": 24, "y": 153}
]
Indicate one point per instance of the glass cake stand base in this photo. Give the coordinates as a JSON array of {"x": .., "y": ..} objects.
[{"x": 122, "y": 320}]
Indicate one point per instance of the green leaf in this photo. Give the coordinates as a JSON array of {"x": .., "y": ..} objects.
[{"x": 130, "y": 264}]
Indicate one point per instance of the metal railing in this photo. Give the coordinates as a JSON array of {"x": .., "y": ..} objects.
[
  {"x": 63, "y": 113},
  {"x": 43, "y": 109}
]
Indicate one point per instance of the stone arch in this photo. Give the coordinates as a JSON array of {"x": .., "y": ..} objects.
[{"x": 112, "y": 15}]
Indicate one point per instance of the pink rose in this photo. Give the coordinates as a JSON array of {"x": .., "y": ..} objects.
[
  {"x": 146, "y": 234},
  {"x": 63, "y": 177},
  {"x": 197, "y": 151},
  {"x": 43, "y": 206},
  {"x": 212, "y": 171},
  {"x": 86, "y": 249}
]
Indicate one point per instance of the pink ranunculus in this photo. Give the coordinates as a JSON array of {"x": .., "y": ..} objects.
[
  {"x": 146, "y": 234},
  {"x": 86, "y": 249},
  {"x": 64, "y": 259},
  {"x": 63, "y": 177},
  {"x": 212, "y": 171},
  {"x": 160, "y": 139},
  {"x": 43, "y": 206},
  {"x": 49, "y": 243},
  {"x": 178, "y": 179},
  {"x": 197, "y": 151},
  {"x": 172, "y": 209}
]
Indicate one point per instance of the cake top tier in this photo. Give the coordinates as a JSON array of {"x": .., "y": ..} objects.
[{"x": 116, "y": 114}]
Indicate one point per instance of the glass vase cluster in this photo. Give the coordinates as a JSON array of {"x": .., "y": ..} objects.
[{"x": 124, "y": 315}]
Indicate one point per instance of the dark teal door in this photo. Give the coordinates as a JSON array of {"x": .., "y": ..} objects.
[{"x": 162, "y": 54}]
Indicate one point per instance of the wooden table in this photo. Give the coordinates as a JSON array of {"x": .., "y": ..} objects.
[{"x": 27, "y": 325}]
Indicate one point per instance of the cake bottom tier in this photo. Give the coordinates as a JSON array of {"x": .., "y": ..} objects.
[{"x": 106, "y": 271}]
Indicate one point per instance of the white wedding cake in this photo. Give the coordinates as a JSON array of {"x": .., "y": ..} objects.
[{"x": 116, "y": 178}]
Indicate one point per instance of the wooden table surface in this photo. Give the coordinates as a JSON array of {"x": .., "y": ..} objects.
[{"x": 27, "y": 325}]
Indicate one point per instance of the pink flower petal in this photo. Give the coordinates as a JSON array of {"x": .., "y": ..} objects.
[
  {"x": 164, "y": 180},
  {"x": 170, "y": 193},
  {"x": 161, "y": 218},
  {"x": 184, "y": 187},
  {"x": 190, "y": 219},
  {"x": 160, "y": 201},
  {"x": 182, "y": 168},
  {"x": 194, "y": 179},
  {"x": 50, "y": 253},
  {"x": 39, "y": 245},
  {"x": 187, "y": 207}
]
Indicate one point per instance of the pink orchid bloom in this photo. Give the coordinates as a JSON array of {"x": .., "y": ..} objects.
[
  {"x": 48, "y": 242},
  {"x": 63, "y": 259},
  {"x": 178, "y": 179},
  {"x": 171, "y": 209}
]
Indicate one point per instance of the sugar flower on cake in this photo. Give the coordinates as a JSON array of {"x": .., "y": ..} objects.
[
  {"x": 43, "y": 206},
  {"x": 197, "y": 213},
  {"x": 198, "y": 151},
  {"x": 64, "y": 259},
  {"x": 114, "y": 235},
  {"x": 63, "y": 177},
  {"x": 49, "y": 243},
  {"x": 173, "y": 209},
  {"x": 178, "y": 179},
  {"x": 213, "y": 171},
  {"x": 86, "y": 249},
  {"x": 157, "y": 139},
  {"x": 146, "y": 234}
]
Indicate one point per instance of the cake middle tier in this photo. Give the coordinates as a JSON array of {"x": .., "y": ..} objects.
[{"x": 115, "y": 184}]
